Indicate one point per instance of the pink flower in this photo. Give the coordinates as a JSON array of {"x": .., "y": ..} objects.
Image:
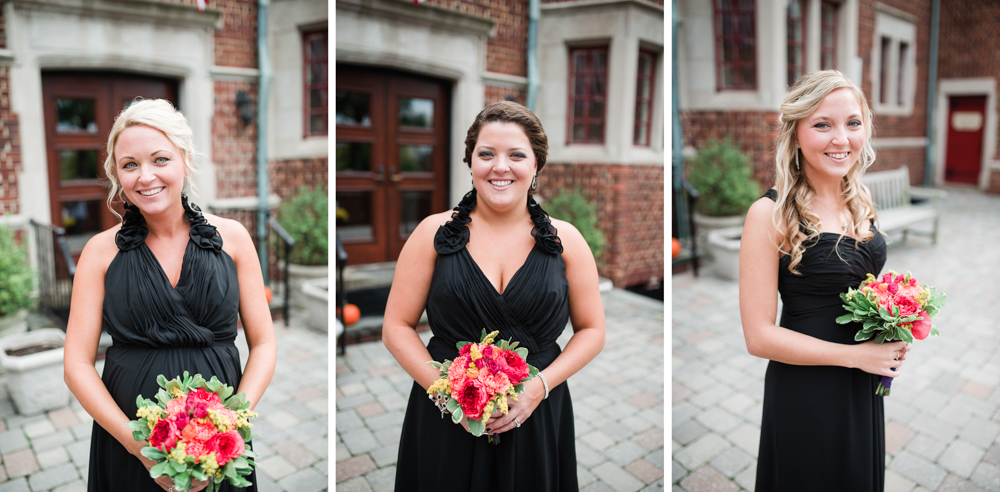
[
  {"x": 181, "y": 419},
  {"x": 517, "y": 368},
  {"x": 495, "y": 383},
  {"x": 164, "y": 435},
  {"x": 907, "y": 305},
  {"x": 227, "y": 446},
  {"x": 473, "y": 398},
  {"x": 201, "y": 396},
  {"x": 921, "y": 327},
  {"x": 893, "y": 288},
  {"x": 176, "y": 405}
]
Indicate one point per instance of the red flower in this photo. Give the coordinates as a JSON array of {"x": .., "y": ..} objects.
[
  {"x": 226, "y": 445},
  {"x": 181, "y": 420},
  {"x": 473, "y": 398},
  {"x": 164, "y": 435},
  {"x": 517, "y": 368},
  {"x": 921, "y": 327},
  {"x": 907, "y": 305}
]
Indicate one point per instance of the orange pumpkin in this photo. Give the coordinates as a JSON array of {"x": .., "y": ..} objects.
[
  {"x": 676, "y": 247},
  {"x": 351, "y": 314},
  {"x": 267, "y": 294}
]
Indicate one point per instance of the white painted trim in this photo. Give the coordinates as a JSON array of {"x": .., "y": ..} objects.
[
  {"x": 234, "y": 74},
  {"x": 976, "y": 86},
  {"x": 899, "y": 142},
  {"x": 583, "y": 4},
  {"x": 504, "y": 80},
  {"x": 898, "y": 29},
  {"x": 6, "y": 58},
  {"x": 162, "y": 13}
]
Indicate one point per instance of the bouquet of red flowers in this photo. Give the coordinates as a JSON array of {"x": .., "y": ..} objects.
[
  {"x": 895, "y": 307},
  {"x": 480, "y": 380},
  {"x": 198, "y": 429}
]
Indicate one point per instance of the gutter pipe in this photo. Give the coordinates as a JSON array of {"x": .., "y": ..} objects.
[
  {"x": 932, "y": 93},
  {"x": 534, "y": 13},
  {"x": 677, "y": 138},
  {"x": 264, "y": 87}
]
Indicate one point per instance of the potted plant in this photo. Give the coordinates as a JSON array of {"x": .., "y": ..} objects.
[
  {"x": 721, "y": 174},
  {"x": 16, "y": 284},
  {"x": 33, "y": 362},
  {"x": 572, "y": 207},
  {"x": 305, "y": 217}
]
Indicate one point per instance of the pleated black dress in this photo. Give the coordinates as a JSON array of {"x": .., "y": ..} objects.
[
  {"x": 161, "y": 329},
  {"x": 823, "y": 427},
  {"x": 540, "y": 456}
]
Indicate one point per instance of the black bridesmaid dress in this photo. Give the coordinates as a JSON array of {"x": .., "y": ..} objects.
[
  {"x": 823, "y": 427},
  {"x": 161, "y": 329},
  {"x": 540, "y": 456}
]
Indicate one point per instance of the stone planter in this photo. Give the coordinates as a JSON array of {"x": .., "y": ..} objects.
[
  {"x": 705, "y": 224},
  {"x": 317, "y": 296},
  {"x": 724, "y": 244},
  {"x": 35, "y": 381},
  {"x": 17, "y": 323},
  {"x": 297, "y": 274}
]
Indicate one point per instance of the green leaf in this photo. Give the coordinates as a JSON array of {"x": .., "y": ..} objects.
[
  {"x": 847, "y": 318},
  {"x": 137, "y": 425},
  {"x": 249, "y": 452},
  {"x": 871, "y": 323},
  {"x": 523, "y": 352},
  {"x": 459, "y": 345},
  {"x": 504, "y": 345},
  {"x": 153, "y": 453},
  {"x": 476, "y": 427},
  {"x": 182, "y": 481},
  {"x": 178, "y": 467},
  {"x": 435, "y": 364},
  {"x": 229, "y": 471},
  {"x": 159, "y": 469},
  {"x": 137, "y": 436},
  {"x": 935, "y": 332},
  {"x": 881, "y": 337},
  {"x": 161, "y": 380},
  {"x": 514, "y": 345},
  {"x": 861, "y": 336},
  {"x": 457, "y": 415},
  {"x": 244, "y": 433},
  {"x": 532, "y": 371},
  {"x": 453, "y": 405},
  {"x": 482, "y": 336},
  {"x": 519, "y": 388},
  {"x": 240, "y": 462},
  {"x": 904, "y": 335}
]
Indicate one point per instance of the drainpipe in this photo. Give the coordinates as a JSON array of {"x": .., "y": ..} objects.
[
  {"x": 263, "y": 182},
  {"x": 677, "y": 147},
  {"x": 534, "y": 12},
  {"x": 932, "y": 92}
]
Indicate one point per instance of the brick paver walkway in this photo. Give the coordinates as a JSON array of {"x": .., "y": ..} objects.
[
  {"x": 943, "y": 417},
  {"x": 51, "y": 451},
  {"x": 617, "y": 400}
]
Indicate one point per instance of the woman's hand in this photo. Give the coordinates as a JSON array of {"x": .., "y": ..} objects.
[
  {"x": 166, "y": 482},
  {"x": 880, "y": 360},
  {"x": 520, "y": 410}
]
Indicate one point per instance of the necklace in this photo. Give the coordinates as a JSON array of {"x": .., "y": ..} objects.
[{"x": 838, "y": 216}]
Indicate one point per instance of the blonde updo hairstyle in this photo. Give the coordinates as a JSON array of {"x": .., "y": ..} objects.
[
  {"x": 161, "y": 115},
  {"x": 795, "y": 193}
]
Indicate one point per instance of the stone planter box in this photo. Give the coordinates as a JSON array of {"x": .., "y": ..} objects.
[
  {"x": 11, "y": 325},
  {"x": 317, "y": 296},
  {"x": 705, "y": 224},
  {"x": 35, "y": 381},
  {"x": 297, "y": 274},
  {"x": 724, "y": 245}
]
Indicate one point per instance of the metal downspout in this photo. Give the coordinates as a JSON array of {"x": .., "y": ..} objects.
[
  {"x": 932, "y": 93},
  {"x": 534, "y": 12},
  {"x": 263, "y": 181},
  {"x": 677, "y": 143}
]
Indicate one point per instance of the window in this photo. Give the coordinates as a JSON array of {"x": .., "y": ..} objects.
[
  {"x": 893, "y": 64},
  {"x": 315, "y": 110},
  {"x": 588, "y": 71},
  {"x": 644, "y": 98},
  {"x": 828, "y": 35},
  {"x": 735, "y": 45},
  {"x": 796, "y": 33}
]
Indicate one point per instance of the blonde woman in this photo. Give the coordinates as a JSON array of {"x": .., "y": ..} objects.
[
  {"x": 809, "y": 239},
  {"x": 168, "y": 285}
]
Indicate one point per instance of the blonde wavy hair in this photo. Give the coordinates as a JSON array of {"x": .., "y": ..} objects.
[
  {"x": 795, "y": 193},
  {"x": 161, "y": 115}
]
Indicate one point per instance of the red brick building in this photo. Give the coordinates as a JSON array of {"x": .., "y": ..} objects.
[
  {"x": 60, "y": 92},
  {"x": 728, "y": 87},
  {"x": 435, "y": 65}
]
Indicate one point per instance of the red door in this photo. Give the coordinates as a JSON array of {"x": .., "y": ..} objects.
[{"x": 964, "y": 156}]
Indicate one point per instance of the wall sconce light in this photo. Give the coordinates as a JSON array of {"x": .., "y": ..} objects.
[{"x": 244, "y": 106}]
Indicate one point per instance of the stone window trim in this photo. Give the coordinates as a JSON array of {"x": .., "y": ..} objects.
[
  {"x": 590, "y": 74},
  {"x": 893, "y": 69},
  {"x": 646, "y": 102},
  {"x": 796, "y": 66},
  {"x": 741, "y": 38},
  {"x": 322, "y": 86}
]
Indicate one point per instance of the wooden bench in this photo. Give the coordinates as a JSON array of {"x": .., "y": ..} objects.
[{"x": 892, "y": 195}]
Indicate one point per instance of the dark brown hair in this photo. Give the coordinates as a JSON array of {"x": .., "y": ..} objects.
[{"x": 510, "y": 112}]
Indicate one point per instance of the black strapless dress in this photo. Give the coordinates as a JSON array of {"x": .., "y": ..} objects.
[
  {"x": 160, "y": 329},
  {"x": 823, "y": 427},
  {"x": 540, "y": 456}
]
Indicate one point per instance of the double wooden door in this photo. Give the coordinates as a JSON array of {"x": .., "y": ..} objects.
[
  {"x": 80, "y": 108},
  {"x": 392, "y": 158}
]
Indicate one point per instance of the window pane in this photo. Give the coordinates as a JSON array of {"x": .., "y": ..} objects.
[
  {"x": 728, "y": 50},
  {"x": 578, "y": 132},
  {"x": 75, "y": 115},
  {"x": 579, "y": 109},
  {"x": 415, "y": 158},
  {"x": 352, "y": 108},
  {"x": 640, "y": 135},
  {"x": 579, "y": 85},
  {"x": 415, "y": 205},
  {"x": 597, "y": 85},
  {"x": 317, "y": 124},
  {"x": 596, "y": 132},
  {"x": 317, "y": 72},
  {"x": 748, "y": 76},
  {"x": 728, "y": 76},
  {"x": 746, "y": 4},
  {"x": 354, "y": 156},
  {"x": 599, "y": 59},
  {"x": 901, "y": 76},
  {"x": 416, "y": 112},
  {"x": 317, "y": 98},
  {"x": 579, "y": 61},
  {"x": 644, "y": 91},
  {"x": 643, "y": 113},
  {"x": 358, "y": 205},
  {"x": 645, "y": 64},
  {"x": 597, "y": 108},
  {"x": 81, "y": 217},
  {"x": 727, "y": 24},
  {"x": 78, "y": 164},
  {"x": 746, "y": 51},
  {"x": 726, "y": 4},
  {"x": 746, "y": 24},
  {"x": 317, "y": 47}
]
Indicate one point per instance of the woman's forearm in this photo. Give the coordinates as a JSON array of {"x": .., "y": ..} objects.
[
  {"x": 90, "y": 391},
  {"x": 582, "y": 347},
  {"x": 258, "y": 372},
  {"x": 405, "y": 345},
  {"x": 791, "y": 347}
]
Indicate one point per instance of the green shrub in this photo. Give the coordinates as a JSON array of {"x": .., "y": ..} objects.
[
  {"x": 721, "y": 174},
  {"x": 305, "y": 217},
  {"x": 574, "y": 208},
  {"x": 16, "y": 277}
]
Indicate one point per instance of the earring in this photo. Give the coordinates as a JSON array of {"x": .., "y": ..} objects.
[
  {"x": 534, "y": 181},
  {"x": 797, "y": 167},
  {"x": 473, "y": 180}
]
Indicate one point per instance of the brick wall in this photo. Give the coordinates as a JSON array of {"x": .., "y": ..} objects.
[
  {"x": 291, "y": 176},
  {"x": 654, "y": 2},
  {"x": 994, "y": 186},
  {"x": 234, "y": 146},
  {"x": 629, "y": 202},
  {"x": 754, "y": 132},
  {"x": 506, "y": 50},
  {"x": 236, "y": 42},
  {"x": 913, "y": 157},
  {"x": 10, "y": 138},
  {"x": 496, "y": 94}
]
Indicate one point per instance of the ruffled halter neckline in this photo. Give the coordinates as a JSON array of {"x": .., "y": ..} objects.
[
  {"x": 454, "y": 234},
  {"x": 134, "y": 231}
]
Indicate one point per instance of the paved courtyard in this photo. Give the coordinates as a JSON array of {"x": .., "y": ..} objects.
[
  {"x": 943, "y": 417},
  {"x": 50, "y": 451},
  {"x": 617, "y": 400}
]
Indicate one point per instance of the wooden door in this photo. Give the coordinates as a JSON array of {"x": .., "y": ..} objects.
[
  {"x": 79, "y": 109},
  {"x": 964, "y": 156},
  {"x": 392, "y": 158}
]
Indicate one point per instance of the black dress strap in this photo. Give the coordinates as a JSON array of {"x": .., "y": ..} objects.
[
  {"x": 454, "y": 234},
  {"x": 134, "y": 230},
  {"x": 772, "y": 194}
]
